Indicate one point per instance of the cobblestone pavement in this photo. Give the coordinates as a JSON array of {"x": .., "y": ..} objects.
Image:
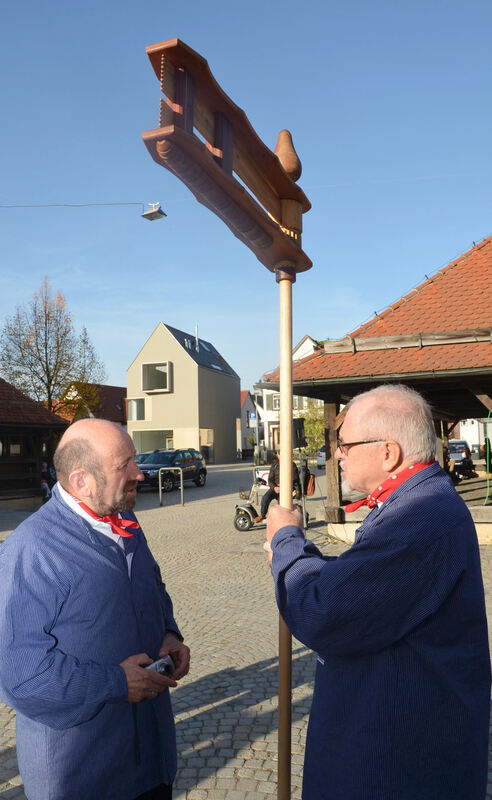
[{"x": 226, "y": 708}]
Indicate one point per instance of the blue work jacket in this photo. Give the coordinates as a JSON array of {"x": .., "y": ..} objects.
[
  {"x": 401, "y": 701},
  {"x": 70, "y": 615}
]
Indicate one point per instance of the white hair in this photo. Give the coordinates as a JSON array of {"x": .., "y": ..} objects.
[{"x": 402, "y": 415}]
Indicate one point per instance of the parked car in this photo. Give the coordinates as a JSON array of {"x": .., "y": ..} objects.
[
  {"x": 141, "y": 457},
  {"x": 321, "y": 457},
  {"x": 191, "y": 461},
  {"x": 459, "y": 450}
]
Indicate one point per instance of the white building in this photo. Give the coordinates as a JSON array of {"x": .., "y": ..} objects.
[
  {"x": 271, "y": 399},
  {"x": 249, "y": 413},
  {"x": 474, "y": 431}
]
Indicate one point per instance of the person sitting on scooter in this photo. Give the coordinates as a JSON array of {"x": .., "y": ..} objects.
[{"x": 274, "y": 484}]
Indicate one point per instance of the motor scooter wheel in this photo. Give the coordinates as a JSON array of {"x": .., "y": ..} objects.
[{"x": 242, "y": 521}]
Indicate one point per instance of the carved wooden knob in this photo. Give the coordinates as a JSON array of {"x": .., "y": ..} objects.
[{"x": 284, "y": 150}]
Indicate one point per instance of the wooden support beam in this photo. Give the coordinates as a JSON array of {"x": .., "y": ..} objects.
[
  {"x": 363, "y": 343},
  {"x": 340, "y": 417},
  {"x": 483, "y": 398},
  {"x": 440, "y": 451},
  {"x": 333, "y": 510}
]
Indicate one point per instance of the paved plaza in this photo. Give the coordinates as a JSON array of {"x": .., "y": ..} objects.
[{"x": 220, "y": 583}]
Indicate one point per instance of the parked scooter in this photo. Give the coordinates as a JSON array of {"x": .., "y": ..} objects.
[{"x": 246, "y": 512}]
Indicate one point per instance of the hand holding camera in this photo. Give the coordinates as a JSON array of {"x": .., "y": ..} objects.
[
  {"x": 163, "y": 666},
  {"x": 144, "y": 680}
]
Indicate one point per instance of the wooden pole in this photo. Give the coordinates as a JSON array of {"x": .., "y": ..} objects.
[{"x": 285, "y": 277}]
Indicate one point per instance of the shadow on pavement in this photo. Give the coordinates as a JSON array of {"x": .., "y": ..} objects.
[{"x": 222, "y": 716}]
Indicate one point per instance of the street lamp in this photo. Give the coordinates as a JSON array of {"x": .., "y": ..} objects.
[{"x": 154, "y": 212}]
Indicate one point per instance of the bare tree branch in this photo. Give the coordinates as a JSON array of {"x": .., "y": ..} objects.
[{"x": 40, "y": 353}]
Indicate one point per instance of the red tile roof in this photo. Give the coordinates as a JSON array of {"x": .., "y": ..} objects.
[
  {"x": 458, "y": 297},
  {"x": 244, "y": 395},
  {"x": 111, "y": 404},
  {"x": 17, "y": 408}
]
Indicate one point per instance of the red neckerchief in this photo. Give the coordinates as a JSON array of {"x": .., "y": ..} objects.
[
  {"x": 118, "y": 524},
  {"x": 387, "y": 487}
]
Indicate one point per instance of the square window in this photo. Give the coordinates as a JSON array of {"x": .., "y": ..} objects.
[
  {"x": 136, "y": 409},
  {"x": 157, "y": 377}
]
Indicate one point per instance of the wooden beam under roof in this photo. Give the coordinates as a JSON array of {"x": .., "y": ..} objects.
[
  {"x": 359, "y": 344},
  {"x": 481, "y": 396}
]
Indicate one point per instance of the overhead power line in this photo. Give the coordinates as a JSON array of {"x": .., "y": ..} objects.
[{"x": 65, "y": 205}]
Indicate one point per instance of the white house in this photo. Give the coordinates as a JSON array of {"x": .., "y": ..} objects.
[
  {"x": 250, "y": 410},
  {"x": 271, "y": 398}
]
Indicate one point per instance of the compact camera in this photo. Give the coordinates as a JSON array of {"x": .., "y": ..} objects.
[{"x": 164, "y": 666}]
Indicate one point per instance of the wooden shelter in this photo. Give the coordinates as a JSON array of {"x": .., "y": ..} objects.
[
  {"x": 27, "y": 432},
  {"x": 436, "y": 339}
]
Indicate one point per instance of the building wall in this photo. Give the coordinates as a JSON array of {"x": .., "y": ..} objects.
[
  {"x": 473, "y": 431},
  {"x": 220, "y": 407},
  {"x": 271, "y": 414},
  {"x": 270, "y": 411},
  {"x": 175, "y": 410},
  {"x": 248, "y": 428}
]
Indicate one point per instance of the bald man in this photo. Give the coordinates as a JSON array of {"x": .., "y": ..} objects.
[{"x": 84, "y": 611}]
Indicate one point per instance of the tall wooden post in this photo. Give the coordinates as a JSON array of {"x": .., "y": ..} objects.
[{"x": 285, "y": 277}]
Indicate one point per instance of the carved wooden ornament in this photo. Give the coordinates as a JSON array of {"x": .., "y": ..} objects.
[{"x": 205, "y": 139}]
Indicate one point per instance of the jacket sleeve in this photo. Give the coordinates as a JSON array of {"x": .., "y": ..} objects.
[
  {"x": 372, "y": 595},
  {"x": 167, "y": 606},
  {"x": 36, "y": 677}
]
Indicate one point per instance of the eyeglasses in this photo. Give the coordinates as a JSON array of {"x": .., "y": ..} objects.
[{"x": 342, "y": 446}]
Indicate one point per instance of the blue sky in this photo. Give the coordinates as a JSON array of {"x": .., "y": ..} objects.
[{"x": 389, "y": 104}]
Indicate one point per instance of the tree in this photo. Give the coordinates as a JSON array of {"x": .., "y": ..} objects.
[
  {"x": 40, "y": 353},
  {"x": 314, "y": 427}
]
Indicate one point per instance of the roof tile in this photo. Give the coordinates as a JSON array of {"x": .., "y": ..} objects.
[
  {"x": 17, "y": 408},
  {"x": 457, "y": 297}
]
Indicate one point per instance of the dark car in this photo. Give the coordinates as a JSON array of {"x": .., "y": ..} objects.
[
  {"x": 191, "y": 462},
  {"x": 459, "y": 450},
  {"x": 141, "y": 457}
]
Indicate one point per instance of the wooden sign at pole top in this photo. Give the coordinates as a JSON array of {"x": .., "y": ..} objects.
[{"x": 205, "y": 139}]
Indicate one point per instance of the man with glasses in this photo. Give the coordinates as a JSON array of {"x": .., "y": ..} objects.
[{"x": 402, "y": 691}]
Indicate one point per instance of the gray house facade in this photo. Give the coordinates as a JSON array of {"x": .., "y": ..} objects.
[{"x": 182, "y": 393}]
